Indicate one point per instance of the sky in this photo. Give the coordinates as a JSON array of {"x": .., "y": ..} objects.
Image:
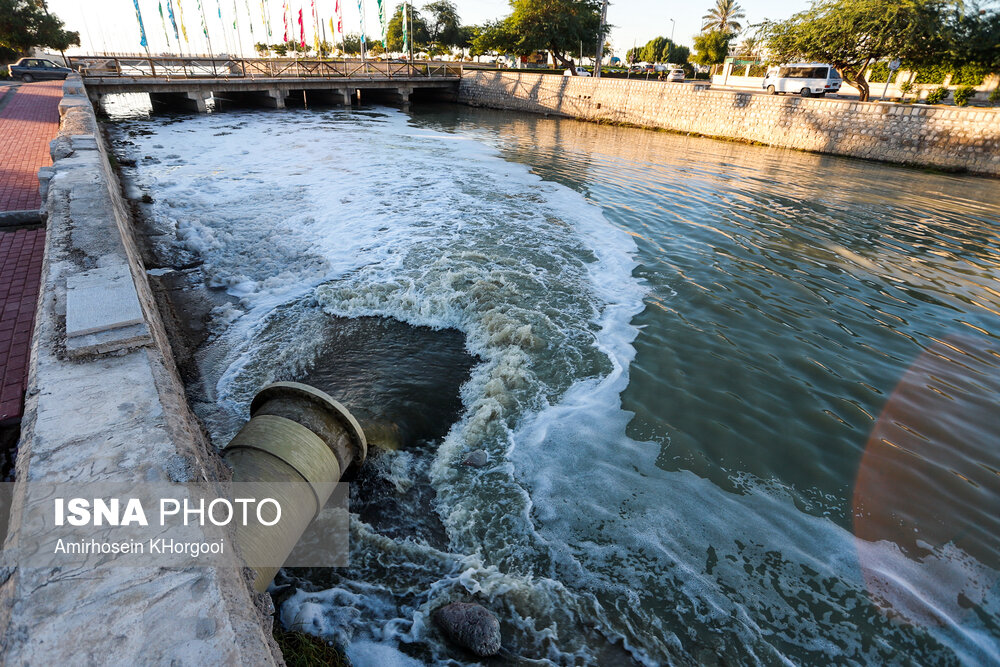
[{"x": 111, "y": 25}]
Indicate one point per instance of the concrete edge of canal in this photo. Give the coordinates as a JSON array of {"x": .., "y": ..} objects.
[
  {"x": 961, "y": 139},
  {"x": 105, "y": 404}
]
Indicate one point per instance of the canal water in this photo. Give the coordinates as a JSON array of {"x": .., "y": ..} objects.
[{"x": 739, "y": 405}]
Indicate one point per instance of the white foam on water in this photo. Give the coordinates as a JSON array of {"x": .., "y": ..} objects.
[{"x": 571, "y": 532}]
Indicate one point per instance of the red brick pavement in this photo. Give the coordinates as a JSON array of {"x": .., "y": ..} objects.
[
  {"x": 20, "y": 277},
  {"x": 29, "y": 120}
]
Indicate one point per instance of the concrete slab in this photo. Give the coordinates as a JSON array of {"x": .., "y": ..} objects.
[{"x": 101, "y": 300}]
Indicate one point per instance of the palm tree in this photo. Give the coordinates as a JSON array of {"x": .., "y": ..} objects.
[{"x": 724, "y": 16}]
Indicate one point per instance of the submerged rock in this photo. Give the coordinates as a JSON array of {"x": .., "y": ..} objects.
[
  {"x": 477, "y": 459},
  {"x": 470, "y": 625}
]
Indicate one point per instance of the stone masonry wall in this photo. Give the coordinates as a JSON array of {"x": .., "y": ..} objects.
[{"x": 964, "y": 139}]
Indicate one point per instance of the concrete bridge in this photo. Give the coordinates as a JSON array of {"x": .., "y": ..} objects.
[{"x": 189, "y": 82}]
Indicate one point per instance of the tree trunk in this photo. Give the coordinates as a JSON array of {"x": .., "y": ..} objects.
[
  {"x": 862, "y": 88},
  {"x": 563, "y": 60}
]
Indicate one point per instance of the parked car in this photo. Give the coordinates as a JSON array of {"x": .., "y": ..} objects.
[
  {"x": 579, "y": 72},
  {"x": 806, "y": 79},
  {"x": 676, "y": 76},
  {"x": 37, "y": 69}
]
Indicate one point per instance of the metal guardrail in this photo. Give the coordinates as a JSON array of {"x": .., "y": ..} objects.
[{"x": 173, "y": 67}]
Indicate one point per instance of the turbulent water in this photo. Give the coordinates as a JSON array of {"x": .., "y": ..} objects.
[{"x": 740, "y": 405}]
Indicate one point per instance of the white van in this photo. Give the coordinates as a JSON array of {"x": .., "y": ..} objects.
[{"x": 806, "y": 79}]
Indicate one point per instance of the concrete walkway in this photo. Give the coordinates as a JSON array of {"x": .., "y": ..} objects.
[{"x": 29, "y": 119}]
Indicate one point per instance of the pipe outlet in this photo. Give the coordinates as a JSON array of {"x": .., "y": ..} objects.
[{"x": 296, "y": 434}]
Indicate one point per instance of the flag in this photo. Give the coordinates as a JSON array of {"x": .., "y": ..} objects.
[
  {"x": 265, "y": 12},
  {"x": 250, "y": 16},
  {"x": 381, "y": 20},
  {"x": 284, "y": 17},
  {"x": 315, "y": 28},
  {"x": 361, "y": 10},
  {"x": 406, "y": 35},
  {"x": 166, "y": 33},
  {"x": 180, "y": 17},
  {"x": 173, "y": 22},
  {"x": 340, "y": 18},
  {"x": 204, "y": 25},
  {"x": 302, "y": 31},
  {"x": 142, "y": 28}
]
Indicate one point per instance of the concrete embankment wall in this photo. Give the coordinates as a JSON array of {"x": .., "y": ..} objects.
[
  {"x": 964, "y": 139},
  {"x": 105, "y": 404}
]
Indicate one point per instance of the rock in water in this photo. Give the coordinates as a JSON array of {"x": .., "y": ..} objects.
[
  {"x": 470, "y": 625},
  {"x": 476, "y": 458}
]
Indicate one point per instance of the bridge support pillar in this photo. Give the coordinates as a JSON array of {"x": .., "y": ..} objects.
[
  {"x": 193, "y": 100},
  {"x": 403, "y": 95},
  {"x": 347, "y": 97}
]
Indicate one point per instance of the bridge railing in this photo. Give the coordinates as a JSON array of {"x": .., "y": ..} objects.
[{"x": 173, "y": 67}]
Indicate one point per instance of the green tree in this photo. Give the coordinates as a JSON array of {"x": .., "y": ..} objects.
[
  {"x": 725, "y": 17},
  {"x": 352, "y": 43},
  {"x": 25, "y": 24},
  {"x": 660, "y": 50},
  {"x": 280, "y": 49},
  {"x": 417, "y": 28},
  {"x": 443, "y": 25},
  {"x": 976, "y": 37},
  {"x": 556, "y": 26},
  {"x": 852, "y": 34},
  {"x": 711, "y": 47}
]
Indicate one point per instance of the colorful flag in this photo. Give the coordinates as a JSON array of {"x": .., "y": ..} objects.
[
  {"x": 340, "y": 18},
  {"x": 361, "y": 10},
  {"x": 166, "y": 33},
  {"x": 250, "y": 16},
  {"x": 302, "y": 31},
  {"x": 204, "y": 24},
  {"x": 315, "y": 27},
  {"x": 381, "y": 20},
  {"x": 284, "y": 17},
  {"x": 180, "y": 17},
  {"x": 142, "y": 28},
  {"x": 406, "y": 35},
  {"x": 173, "y": 21}
]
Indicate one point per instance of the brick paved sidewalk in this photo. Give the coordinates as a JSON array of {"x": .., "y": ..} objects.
[
  {"x": 20, "y": 277},
  {"x": 28, "y": 121}
]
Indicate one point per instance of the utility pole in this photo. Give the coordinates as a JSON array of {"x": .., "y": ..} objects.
[{"x": 600, "y": 39}]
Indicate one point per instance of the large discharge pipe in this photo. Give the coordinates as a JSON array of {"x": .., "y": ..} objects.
[{"x": 303, "y": 441}]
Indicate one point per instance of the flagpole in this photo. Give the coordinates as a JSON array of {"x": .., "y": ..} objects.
[{"x": 409, "y": 12}]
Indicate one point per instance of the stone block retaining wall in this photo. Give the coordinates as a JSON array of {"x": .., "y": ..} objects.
[{"x": 961, "y": 139}]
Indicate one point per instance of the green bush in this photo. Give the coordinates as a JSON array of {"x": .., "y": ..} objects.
[
  {"x": 969, "y": 75},
  {"x": 995, "y": 95},
  {"x": 758, "y": 70},
  {"x": 937, "y": 96},
  {"x": 935, "y": 74},
  {"x": 963, "y": 95}
]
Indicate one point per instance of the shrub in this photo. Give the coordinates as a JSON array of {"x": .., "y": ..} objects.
[
  {"x": 995, "y": 95},
  {"x": 937, "y": 95},
  {"x": 969, "y": 75},
  {"x": 905, "y": 88},
  {"x": 934, "y": 74},
  {"x": 963, "y": 95}
]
